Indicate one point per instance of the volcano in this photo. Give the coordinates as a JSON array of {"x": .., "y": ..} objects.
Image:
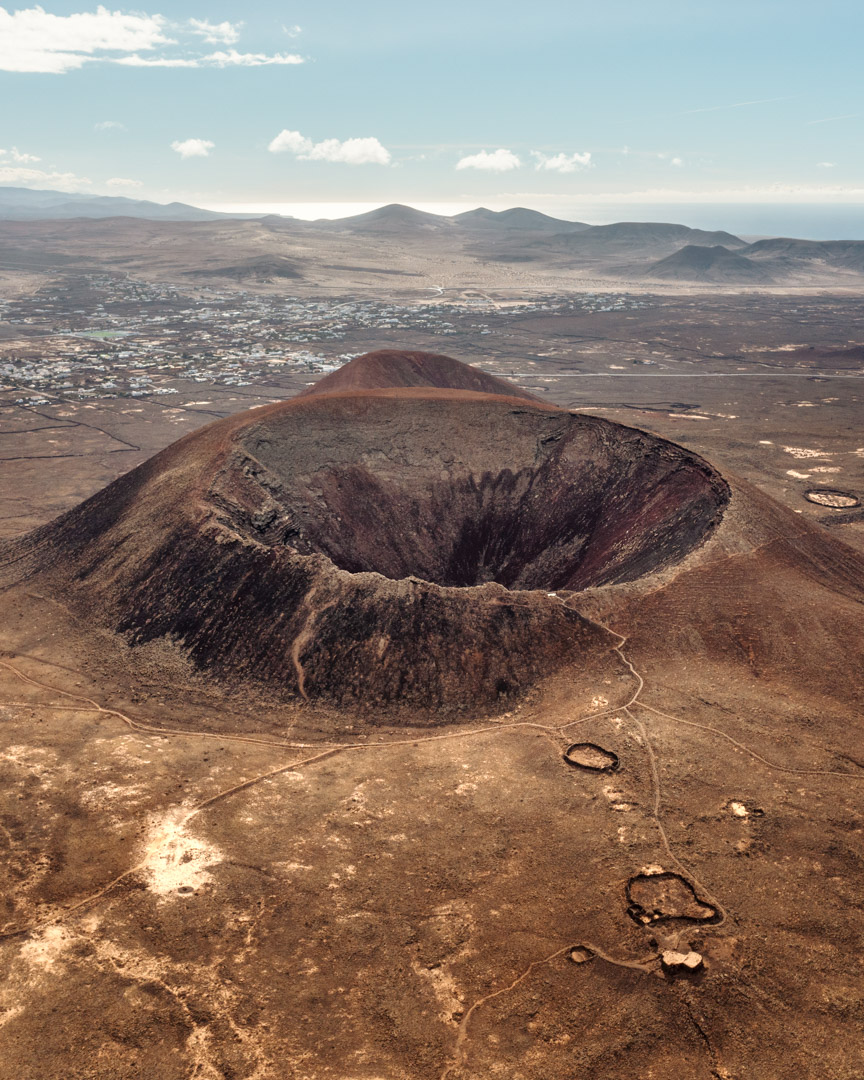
[
  {"x": 715, "y": 264},
  {"x": 383, "y": 546},
  {"x": 395, "y": 368}
]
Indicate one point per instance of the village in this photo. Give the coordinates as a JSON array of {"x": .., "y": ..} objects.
[{"x": 106, "y": 335}]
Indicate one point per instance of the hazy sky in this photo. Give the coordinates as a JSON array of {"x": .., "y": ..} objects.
[{"x": 576, "y": 108}]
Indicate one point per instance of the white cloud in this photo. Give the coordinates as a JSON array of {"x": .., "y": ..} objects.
[
  {"x": 34, "y": 40},
  {"x": 39, "y": 178},
  {"x": 122, "y": 182},
  {"x": 291, "y": 31},
  {"x": 366, "y": 151},
  {"x": 109, "y": 125},
  {"x": 826, "y": 164},
  {"x": 291, "y": 141},
  {"x": 228, "y": 59},
  {"x": 19, "y": 158},
  {"x": 224, "y": 33},
  {"x": 677, "y": 162},
  {"x": 497, "y": 161},
  {"x": 562, "y": 163},
  {"x": 231, "y": 58},
  {"x": 156, "y": 61},
  {"x": 193, "y": 147}
]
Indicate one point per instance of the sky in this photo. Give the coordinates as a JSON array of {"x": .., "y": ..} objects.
[{"x": 742, "y": 115}]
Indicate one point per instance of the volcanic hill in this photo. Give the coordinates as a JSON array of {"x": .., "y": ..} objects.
[
  {"x": 716, "y": 264},
  {"x": 396, "y": 368},
  {"x": 382, "y": 545}
]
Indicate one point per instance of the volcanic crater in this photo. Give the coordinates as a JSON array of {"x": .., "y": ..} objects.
[
  {"x": 384, "y": 548},
  {"x": 459, "y": 491}
]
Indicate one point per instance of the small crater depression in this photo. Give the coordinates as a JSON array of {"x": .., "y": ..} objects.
[
  {"x": 659, "y": 897},
  {"x": 586, "y": 755},
  {"x": 837, "y": 500}
]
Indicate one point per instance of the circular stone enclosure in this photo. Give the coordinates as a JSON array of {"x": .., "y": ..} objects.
[
  {"x": 836, "y": 500},
  {"x": 465, "y": 489},
  {"x": 592, "y": 757}
]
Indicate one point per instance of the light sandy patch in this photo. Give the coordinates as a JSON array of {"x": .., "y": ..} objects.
[
  {"x": 126, "y": 750},
  {"x": 802, "y": 452},
  {"x": 465, "y": 789},
  {"x": 7, "y": 1015},
  {"x": 96, "y": 798},
  {"x": 174, "y": 859},
  {"x": 291, "y": 867},
  {"x": 31, "y": 757},
  {"x": 445, "y": 990},
  {"x": 798, "y": 475},
  {"x": 47, "y": 947}
]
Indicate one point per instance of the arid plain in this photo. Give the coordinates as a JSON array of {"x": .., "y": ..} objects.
[{"x": 209, "y": 877}]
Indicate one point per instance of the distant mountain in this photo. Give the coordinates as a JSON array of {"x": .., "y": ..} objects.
[
  {"x": 625, "y": 248},
  {"x": 626, "y": 236},
  {"x": 517, "y": 218},
  {"x": 45, "y": 229},
  {"x": 25, "y": 204},
  {"x": 398, "y": 218},
  {"x": 716, "y": 265},
  {"x": 806, "y": 255},
  {"x": 391, "y": 218}
]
